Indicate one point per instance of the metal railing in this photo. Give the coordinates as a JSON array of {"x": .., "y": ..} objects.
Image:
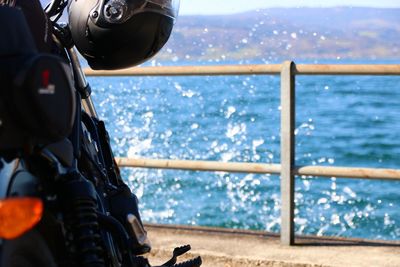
[{"x": 287, "y": 169}]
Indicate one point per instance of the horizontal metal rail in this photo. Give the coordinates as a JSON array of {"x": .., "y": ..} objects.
[
  {"x": 315, "y": 69},
  {"x": 260, "y": 168}
]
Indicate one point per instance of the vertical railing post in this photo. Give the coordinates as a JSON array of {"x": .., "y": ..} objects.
[{"x": 287, "y": 152}]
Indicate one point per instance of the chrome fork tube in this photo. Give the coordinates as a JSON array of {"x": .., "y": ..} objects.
[{"x": 82, "y": 83}]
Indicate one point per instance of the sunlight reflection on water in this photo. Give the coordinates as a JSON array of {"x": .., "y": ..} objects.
[{"x": 237, "y": 119}]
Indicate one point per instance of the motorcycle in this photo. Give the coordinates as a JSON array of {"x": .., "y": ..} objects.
[{"x": 62, "y": 199}]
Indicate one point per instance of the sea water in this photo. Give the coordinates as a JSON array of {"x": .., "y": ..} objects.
[{"x": 351, "y": 121}]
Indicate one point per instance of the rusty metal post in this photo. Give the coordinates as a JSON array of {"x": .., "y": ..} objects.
[{"x": 287, "y": 152}]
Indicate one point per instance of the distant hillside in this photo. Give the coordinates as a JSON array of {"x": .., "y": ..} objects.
[{"x": 288, "y": 33}]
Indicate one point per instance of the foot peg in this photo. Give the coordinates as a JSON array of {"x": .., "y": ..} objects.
[
  {"x": 196, "y": 262},
  {"x": 179, "y": 251}
]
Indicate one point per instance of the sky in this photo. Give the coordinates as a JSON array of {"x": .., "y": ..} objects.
[{"x": 210, "y": 7}]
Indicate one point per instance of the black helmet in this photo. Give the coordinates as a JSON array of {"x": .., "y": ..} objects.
[{"x": 114, "y": 34}]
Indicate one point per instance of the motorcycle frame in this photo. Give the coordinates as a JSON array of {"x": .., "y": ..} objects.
[{"x": 114, "y": 236}]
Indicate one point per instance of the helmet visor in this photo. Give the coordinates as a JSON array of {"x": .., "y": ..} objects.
[{"x": 168, "y": 8}]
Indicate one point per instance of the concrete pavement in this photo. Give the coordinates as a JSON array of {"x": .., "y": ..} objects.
[{"x": 231, "y": 248}]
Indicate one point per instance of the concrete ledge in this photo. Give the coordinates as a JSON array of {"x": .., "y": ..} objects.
[{"x": 234, "y": 248}]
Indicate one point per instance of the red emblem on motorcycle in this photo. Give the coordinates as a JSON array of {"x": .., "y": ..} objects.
[
  {"x": 47, "y": 88},
  {"x": 45, "y": 78}
]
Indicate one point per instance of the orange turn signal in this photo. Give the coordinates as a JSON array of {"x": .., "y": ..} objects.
[{"x": 19, "y": 215}]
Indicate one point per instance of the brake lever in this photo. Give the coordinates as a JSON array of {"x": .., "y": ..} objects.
[{"x": 179, "y": 251}]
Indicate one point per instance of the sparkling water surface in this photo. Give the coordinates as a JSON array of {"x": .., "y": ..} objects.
[{"x": 341, "y": 121}]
